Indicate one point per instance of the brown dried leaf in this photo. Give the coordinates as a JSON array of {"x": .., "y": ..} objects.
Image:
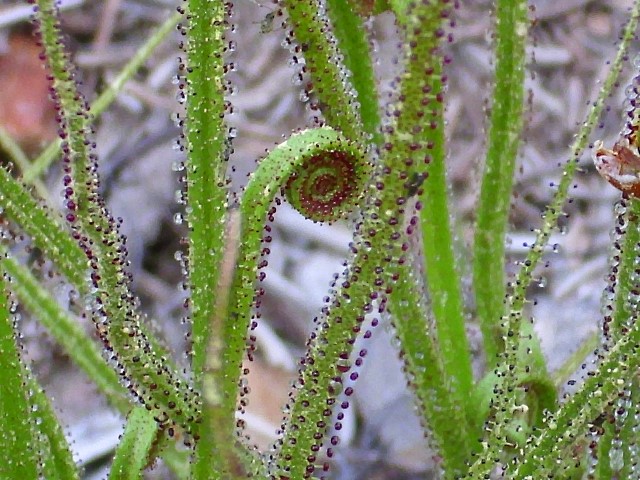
[{"x": 26, "y": 112}]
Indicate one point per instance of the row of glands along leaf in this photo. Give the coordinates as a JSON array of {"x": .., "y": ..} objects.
[
  {"x": 17, "y": 435},
  {"x": 206, "y": 140},
  {"x": 131, "y": 455},
  {"x": 621, "y": 294},
  {"x": 512, "y": 319},
  {"x": 617, "y": 448},
  {"x": 31, "y": 438},
  {"x": 348, "y": 29},
  {"x": 316, "y": 53},
  {"x": 322, "y": 174},
  {"x": 149, "y": 376},
  {"x": 621, "y": 167},
  {"x": 106, "y": 98},
  {"x": 45, "y": 230},
  {"x": 503, "y": 139},
  {"x": 57, "y": 460},
  {"x": 65, "y": 330},
  {"x": 623, "y": 449},
  {"x": 56, "y": 244},
  {"x": 615, "y": 371},
  {"x": 415, "y": 146}
]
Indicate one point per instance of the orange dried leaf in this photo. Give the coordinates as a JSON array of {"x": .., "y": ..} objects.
[{"x": 26, "y": 112}]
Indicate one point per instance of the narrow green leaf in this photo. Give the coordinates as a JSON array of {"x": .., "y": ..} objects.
[
  {"x": 313, "y": 33},
  {"x": 150, "y": 375},
  {"x": 207, "y": 143},
  {"x": 503, "y": 140},
  {"x": 133, "y": 452},
  {"x": 206, "y": 146},
  {"x": 67, "y": 332},
  {"x": 321, "y": 156},
  {"x": 57, "y": 459},
  {"x": 44, "y": 227},
  {"x": 352, "y": 40},
  {"x": 19, "y": 458},
  {"x": 417, "y": 145}
]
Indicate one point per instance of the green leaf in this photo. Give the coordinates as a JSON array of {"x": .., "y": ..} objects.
[
  {"x": 340, "y": 167},
  {"x": 133, "y": 452},
  {"x": 150, "y": 375},
  {"x": 353, "y": 43},
  {"x": 416, "y": 147},
  {"x": 503, "y": 140},
  {"x": 207, "y": 141},
  {"x": 56, "y": 456},
  {"x": 20, "y": 458},
  {"x": 313, "y": 33},
  {"x": 66, "y": 330},
  {"x": 45, "y": 228}
]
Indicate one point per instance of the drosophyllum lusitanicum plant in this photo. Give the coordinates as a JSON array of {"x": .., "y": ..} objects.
[{"x": 381, "y": 171}]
